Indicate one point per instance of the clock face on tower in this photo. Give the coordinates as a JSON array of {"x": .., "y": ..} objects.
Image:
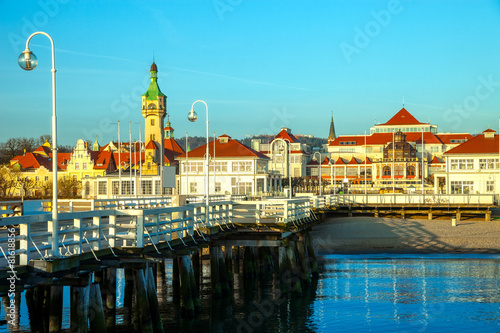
[{"x": 151, "y": 106}]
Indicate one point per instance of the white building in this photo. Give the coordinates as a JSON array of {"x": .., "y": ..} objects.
[
  {"x": 471, "y": 167},
  {"x": 233, "y": 169}
]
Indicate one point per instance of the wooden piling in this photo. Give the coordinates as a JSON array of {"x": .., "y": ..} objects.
[
  {"x": 187, "y": 305},
  {"x": 313, "y": 262},
  {"x": 128, "y": 291},
  {"x": 153, "y": 301},
  {"x": 214, "y": 272},
  {"x": 142, "y": 303},
  {"x": 430, "y": 215},
  {"x": 195, "y": 258},
  {"x": 248, "y": 266},
  {"x": 228, "y": 259},
  {"x": 304, "y": 270},
  {"x": 56, "y": 306},
  {"x": 296, "y": 286},
  {"x": 79, "y": 309},
  {"x": 224, "y": 283},
  {"x": 175, "y": 276},
  {"x": 96, "y": 310},
  {"x": 236, "y": 258},
  {"x": 110, "y": 294},
  {"x": 284, "y": 270},
  {"x": 195, "y": 291}
]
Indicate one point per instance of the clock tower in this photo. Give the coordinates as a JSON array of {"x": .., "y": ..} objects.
[{"x": 154, "y": 108}]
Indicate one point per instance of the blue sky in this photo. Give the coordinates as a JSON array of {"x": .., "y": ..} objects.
[{"x": 259, "y": 65}]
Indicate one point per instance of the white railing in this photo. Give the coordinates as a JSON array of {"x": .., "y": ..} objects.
[
  {"x": 273, "y": 211},
  {"x": 90, "y": 231},
  {"x": 403, "y": 199}
]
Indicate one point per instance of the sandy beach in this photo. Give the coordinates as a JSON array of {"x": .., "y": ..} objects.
[{"x": 393, "y": 235}]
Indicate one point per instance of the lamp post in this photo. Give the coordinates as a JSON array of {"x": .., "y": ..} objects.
[
  {"x": 289, "y": 169},
  {"x": 319, "y": 169},
  {"x": 192, "y": 117},
  {"x": 28, "y": 61}
]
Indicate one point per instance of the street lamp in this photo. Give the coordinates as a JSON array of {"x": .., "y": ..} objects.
[
  {"x": 289, "y": 162},
  {"x": 28, "y": 61},
  {"x": 192, "y": 117},
  {"x": 319, "y": 169}
]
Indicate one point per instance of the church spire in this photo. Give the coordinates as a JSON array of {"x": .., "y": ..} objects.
[{"x": 331, "y": 135}]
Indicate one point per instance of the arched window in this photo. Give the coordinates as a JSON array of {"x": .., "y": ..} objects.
[
  {"x": 386, "y": 170},
  {"x": 398, "y": 170},
  {"x": 410, "y": 170}
]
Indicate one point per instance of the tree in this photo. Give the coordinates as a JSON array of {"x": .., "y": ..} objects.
[
  {"x": 7, "y": 182},
  {"x": 24, "y": 183},
  {"x": 68, "y": 187}
]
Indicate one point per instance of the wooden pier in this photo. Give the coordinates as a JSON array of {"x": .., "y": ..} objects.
[{"x": 91, "y": 245}]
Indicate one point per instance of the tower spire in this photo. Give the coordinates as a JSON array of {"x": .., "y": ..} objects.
[{"x": 331, "y": 135}]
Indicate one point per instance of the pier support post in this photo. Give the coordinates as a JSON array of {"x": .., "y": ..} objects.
[
  {"x": 248, "y": 266},
  {"x": 195, "y": 291},
  {"x": 110, "y": 293},
  {"x": 236, "y": 258},
  {"x": 187, "y": 305},
  {"x": 153, "y": 301},
  {"x": 430, "y": 215},
  {"x": 214, "y": 272},
  {"x": 228, "y": 259},
  {"x": 142, "y": 303},
  {"x": 56, "y": 306},
  {"x": 487, "y": 215},
  {"x": 195, "y": 258},
  {"x": 312, "y": 257},
  {"x": 284, "y": 270},
  {"x": 376, "y": 213},
  {"x": 96, "y": 310},
  {"x": 305, "y": 272},
  {"x": 296, "y": 287},
  {"x": 175, "y": 276},
  {"x": 128, "y": 291},
  {"x": 79, "y": 309},
  {"x": 459, "y": 215},
  {"x": 224, "y": 284}
]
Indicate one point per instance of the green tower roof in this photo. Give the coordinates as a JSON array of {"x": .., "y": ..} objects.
[{"x": 153, "y": 90}]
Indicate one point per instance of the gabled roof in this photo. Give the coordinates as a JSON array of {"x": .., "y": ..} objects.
[
  {"x": 368, "y": 161},
  {"x": 151, "y": 145},
  {"x": 232, "y": 148},
  {"x": 173, "y": 146},
  {"x": 312, "y": 162},
  {"x": 403, "y": 117},
  {"x": 477, "y": 145},
  {"x": 103, "y": 160},
  {"x": 353, "y": 161},
  {"x": 340, "y": 160},
  {"x": 283, "y": 134},
  {"x": 62, "y": 160},
  {"x": 436, "y": 160}
]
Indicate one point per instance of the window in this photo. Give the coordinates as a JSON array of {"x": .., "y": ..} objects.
[
  {"x": 342, "y": 143},
  {"x": 152, "y": 122},
  {"x": 146, "y": 187},
  {"x": 242, "y": 166},
  {"x": 410, "y": 170},
  {"x": 37, "y": 178},
  {"x": 77, "y": 166},
  {"x": 114, "y": 188},
  {"x": 398, "y": 171},
  {"x": 219, "y": 167},
  {"x": 217, "y": 187},
  {"x": 101, "y": 188},
  {"x": 490, "y": 186},
  {"x": 488, "y": 163},
  {"x": 157, "y": 187},
  {"x": 193, "y": 188},
  {"x": 352, "y": 171},
  {"x": 462, "y": 164},
  {"x": 386, "y": 170},
  {"x": 46, "y": 178},
  {"x": 126, "y": 187},
  {"x": 459, "y": 187},
  {"x": 84, "y": 166},
  {"x": 195, "y": 167}
]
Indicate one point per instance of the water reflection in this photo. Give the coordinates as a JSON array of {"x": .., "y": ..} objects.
[{"x": 353, "y": 293}]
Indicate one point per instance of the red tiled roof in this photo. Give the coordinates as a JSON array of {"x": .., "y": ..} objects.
[
  {"x": 477, "y": 145},
  {"x": 340, "y": 160},
  {"x": 312, "y": 162},
  {"x": 151, "y": 145},
  {"x": 368, "y": 161},
  {"x": 403, "y": 117},
  {"x": 172, "y": 145},
  {"x": 358, "y": 139},
  {"x": 103, "y": 160},
  {"x": 489, "y": 130},
  {"x": 353, "y": 161},
  {"x": 436, "y": 160},
  {"x": 385, "y": 138},
  {"x": 43, "y": 150},
  {"x": 326, "y": 161},
  {"x": 232, "y": 148},
  {"x": 286, "y": 136},
  {"x": 62, "y": 160},
  {"x": 447, "y": 137}
]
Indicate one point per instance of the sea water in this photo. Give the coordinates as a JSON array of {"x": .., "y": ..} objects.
[{"x": 354, "y": 293}]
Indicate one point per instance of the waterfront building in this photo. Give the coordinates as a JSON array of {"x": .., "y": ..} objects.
[
  {"x": 285, "y": 148},
  {"x": 471, "y": 167},
  {"x": 233, "y": 169},
  {"x": 428, "y": 144}
]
